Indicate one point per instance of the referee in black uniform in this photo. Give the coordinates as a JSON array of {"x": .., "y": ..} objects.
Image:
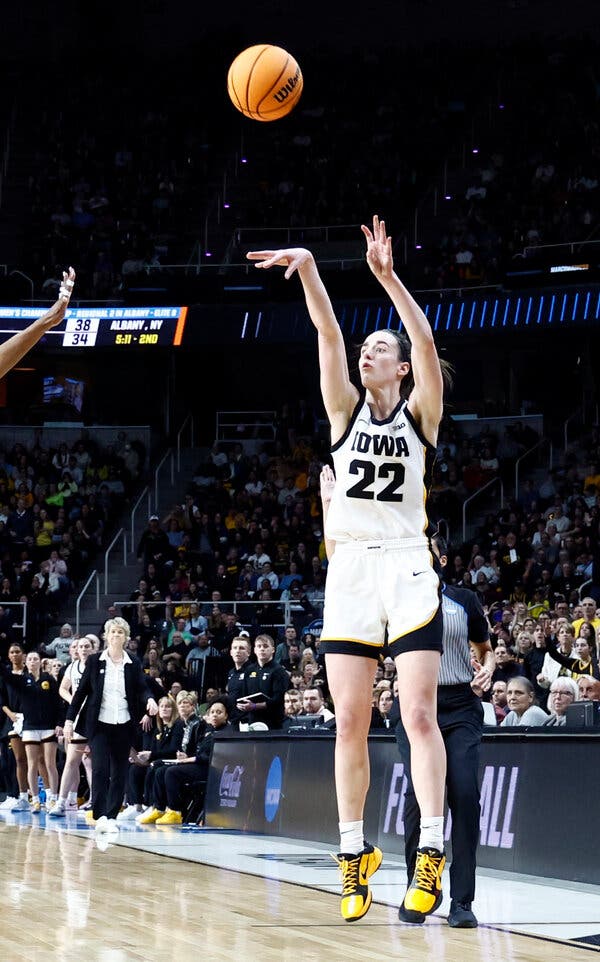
[{"x": 460, "y": 717}]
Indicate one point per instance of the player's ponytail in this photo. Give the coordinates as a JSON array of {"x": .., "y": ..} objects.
[{"x": 408, "y": 382}]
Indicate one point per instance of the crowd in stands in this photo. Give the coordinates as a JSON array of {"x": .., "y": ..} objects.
[
  {"x": 250, "y": 530},
  {"x": 466, "y": 462},
  {"x": 545, "y": 663},
  {"x": 144, "y": 193},
  {"x": 57, "y": 505},
  {"x": 226, "y": 609},
  {"x": 529, "y": 174}
]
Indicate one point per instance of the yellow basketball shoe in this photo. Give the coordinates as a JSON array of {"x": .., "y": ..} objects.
[
  {"x": 424, "y": 893},
  {"x": 356, "y": 870},
  {"x": 149, "y": 817},
  {"x": 170, "y": 817}
]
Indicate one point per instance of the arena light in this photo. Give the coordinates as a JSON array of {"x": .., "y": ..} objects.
[{"x": 566, "y": 268}]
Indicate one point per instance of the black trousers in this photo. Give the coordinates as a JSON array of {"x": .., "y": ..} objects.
[
  {"x": 8, "y": 770},
  {"x": 171, "y": 781},
  {"x": 110, "y": 747},
  {"x": 159, "y": 792},
  {"x": 139, "y": 784},
  {"x": 460, "y": 717}
]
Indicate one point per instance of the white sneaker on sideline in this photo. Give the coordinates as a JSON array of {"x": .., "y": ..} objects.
[
  {"x": 8, "y": 804},
  {"x": 21, "y": 805},
  {"x": 71, "y": 806},
  {"x": 111, "y": 825},
  {"x": 143, "y": 812},
  {"x": 128, "y": 814},
  {"x": 57, "y": 810},
  {"x": 101, "y": 825}
]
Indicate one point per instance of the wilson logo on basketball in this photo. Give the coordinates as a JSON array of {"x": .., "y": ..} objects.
[{"x": 284, "y": 92}]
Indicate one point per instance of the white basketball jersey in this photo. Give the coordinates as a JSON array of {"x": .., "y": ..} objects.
[
  {"x": 383, "y": 471},
  {"x": 74, "y": 673}
]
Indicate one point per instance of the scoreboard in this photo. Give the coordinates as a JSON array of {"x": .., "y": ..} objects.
[{"x": 83, "y": 327}]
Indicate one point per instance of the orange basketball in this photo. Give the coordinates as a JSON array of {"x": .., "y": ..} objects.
[{"x": 264, "y": 82}]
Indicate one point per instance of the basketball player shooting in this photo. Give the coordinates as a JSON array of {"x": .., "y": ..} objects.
[{"x": 382, "y": 576}]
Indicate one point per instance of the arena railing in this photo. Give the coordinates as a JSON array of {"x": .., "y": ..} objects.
[
  {"x": 93, "y": 579},
  {"x": 169, "y": 459},
  {"x": 476, "y": 495},
  {"x": 22, "y": 625},
  {"x": 244, "y": 609},
  {"x": 145, "y": 494},
  {"x": 121, "y": 536},
  {"x": 538, "y": 444},
  {"x": 569, "y": 247},
  {"x": 261, "y": 424},
  {"x": 579, "y": 414},
  {"x": 188, "y": 425}
]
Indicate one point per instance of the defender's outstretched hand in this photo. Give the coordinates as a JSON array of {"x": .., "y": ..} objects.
[
  {"x": 58, "y": 310},
  {"x": 20, "y": 343},
  {"x": 327, "y": 483},
  {"x": 292, "y": 257},
  {"x": 379, "y": 249}
]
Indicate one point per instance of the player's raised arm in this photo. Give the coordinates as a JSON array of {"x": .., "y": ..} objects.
[
  {"x": 338, "y": 392},
  {"x": 20, "y": 343},
  {"x": 426, "y": 401}
]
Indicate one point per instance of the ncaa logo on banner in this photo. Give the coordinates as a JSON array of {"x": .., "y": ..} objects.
[{"x": 273, "y": 789}]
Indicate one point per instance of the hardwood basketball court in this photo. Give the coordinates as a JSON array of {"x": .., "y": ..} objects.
[{"x": 225, "y": 896}]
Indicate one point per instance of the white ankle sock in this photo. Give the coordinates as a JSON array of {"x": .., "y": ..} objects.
[
  {"x": 352, "y": 839},
  {"x": 72, "y": 797},
  {"x": 432, "y": 833}
]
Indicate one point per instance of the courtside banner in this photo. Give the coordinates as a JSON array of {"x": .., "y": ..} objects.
[{"x": 534, "y": 787}]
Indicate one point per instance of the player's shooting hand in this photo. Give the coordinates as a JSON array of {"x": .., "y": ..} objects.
[{"x": 293, "y": 258}]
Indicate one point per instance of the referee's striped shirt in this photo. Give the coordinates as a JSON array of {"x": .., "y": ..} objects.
[{"x": 464, "y": 621}]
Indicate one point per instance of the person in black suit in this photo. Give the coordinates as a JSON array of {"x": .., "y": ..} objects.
[{"x": 116, "y": 692}]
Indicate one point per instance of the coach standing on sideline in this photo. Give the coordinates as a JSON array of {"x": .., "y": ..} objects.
[
  {"x": 460, "y": 717},
  {"x": 115, "y": 691}
]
